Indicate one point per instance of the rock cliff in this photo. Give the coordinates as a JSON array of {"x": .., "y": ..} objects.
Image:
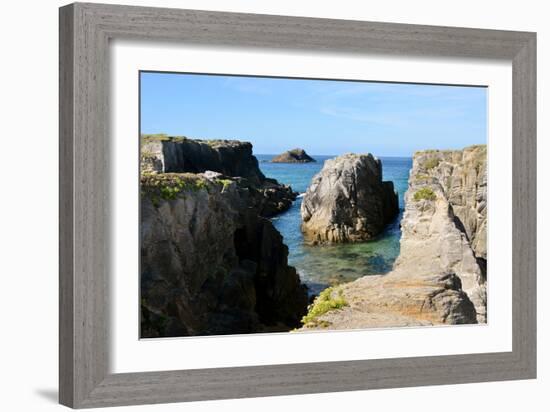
[
  {"x": 439, "y": 275},
  {"x": 210, "y": 264},
  {"x": 347, "y": 201},
  {"x": 166, "y": 154},
  {"x": 181, "y": 154},
  {"x": 293, "y": 156},
  {"x": 462, "y": 174}
]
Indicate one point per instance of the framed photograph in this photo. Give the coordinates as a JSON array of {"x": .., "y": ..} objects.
[{"x": 257, "y": 205}]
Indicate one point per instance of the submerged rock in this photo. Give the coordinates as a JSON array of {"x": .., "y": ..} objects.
[
  {"x": 347, "y": 201},
  {"x": 438, "y": 278},
  {"x": 293, "y": 156},
  {"x": 210, "y": 264}
]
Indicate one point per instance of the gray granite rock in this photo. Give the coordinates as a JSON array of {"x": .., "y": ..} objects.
[
  {"x": 347, "y": 201},
  {"x": 439, "y": 276}
]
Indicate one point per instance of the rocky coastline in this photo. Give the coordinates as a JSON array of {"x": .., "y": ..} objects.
[
  {"x": 213, "y": 263},
  {"x": 167, "y": 154},
  {"x": 211, "y": 260},
  {"x": 440, "y": 274}
]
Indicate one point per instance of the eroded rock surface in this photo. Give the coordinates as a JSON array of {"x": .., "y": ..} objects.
[
  {"x": 293, "y": 156},
  {"x": 210, "y": 264},
  {"x": 439, "y": 276},
  {"x": 165, "y": 154},
  {"x": 462, "y": 175},
  {"x": 347, "y": 201}
]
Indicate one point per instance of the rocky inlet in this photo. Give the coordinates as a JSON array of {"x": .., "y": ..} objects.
[{"x": 439, "y": 276}]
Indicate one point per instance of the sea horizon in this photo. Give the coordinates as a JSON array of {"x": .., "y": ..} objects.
[{"x": 336, "y": 155}]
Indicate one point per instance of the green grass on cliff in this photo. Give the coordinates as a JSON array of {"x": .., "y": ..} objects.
[
  {"x": 169, "y": 186},
  {"x": 224, "y": 182},
  {"x": 425, "y": 193},
  {"x": 422, "y": 178},
  {"x": 431, "y": 163},
  {"x": 161, "y": 137},
  {"x": 322, "y": 304}
]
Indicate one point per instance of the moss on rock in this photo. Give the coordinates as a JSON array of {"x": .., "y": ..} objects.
[
  {"x": 161, "y": 137},
  {"x": 328, "y": 300},
  {"x": 425, "y": 193},
  {"x": 431, "y": 163},
  {"x": 169, "y": 186}
]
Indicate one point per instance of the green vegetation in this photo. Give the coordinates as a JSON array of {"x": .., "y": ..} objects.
[
  {"x": 169, "y": 186},
  {"x": 161, "y": 137},
  {"x": 422, "y": 178},
  {"x": 225, "y": 182},
  {"x": 425, "y": 193},
  {"x": 324, "y": 303},
  {"x": 214, "y": 143},
  {"x": 431, "y": 163}
]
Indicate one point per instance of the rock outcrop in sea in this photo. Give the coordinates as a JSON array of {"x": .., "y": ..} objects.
[
  {"x": 347, "y": 201},
  {"x": 211, "y": 262},
  {"x": 164, "y": 154},
  {"x": 439, "y": 276},
  {"x": 293, "y": 156}
]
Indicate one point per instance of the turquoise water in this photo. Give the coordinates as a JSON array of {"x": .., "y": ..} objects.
[{"x": 323, "y": 266}]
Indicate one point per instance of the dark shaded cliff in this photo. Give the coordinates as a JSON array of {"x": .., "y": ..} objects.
[
  {"x": 165, "y": 154},
  {"x": 211, "y": 263},
  {"x": 180, "y": 154}
]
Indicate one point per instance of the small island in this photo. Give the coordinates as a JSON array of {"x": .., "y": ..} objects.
[{"x": 293, "y": 156}]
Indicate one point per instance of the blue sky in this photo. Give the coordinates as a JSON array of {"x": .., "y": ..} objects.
[{"x": 323, "y": 117}]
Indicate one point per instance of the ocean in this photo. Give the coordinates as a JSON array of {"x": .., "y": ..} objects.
[{"x": 323, "y": 266}]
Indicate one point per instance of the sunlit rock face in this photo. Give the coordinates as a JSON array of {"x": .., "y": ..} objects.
[
  {"x": 439, "y": 276},
  {"x": 347, "y": 201}
]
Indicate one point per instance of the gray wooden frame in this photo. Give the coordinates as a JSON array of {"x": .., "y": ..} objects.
[{"x": 85, "y": 31}]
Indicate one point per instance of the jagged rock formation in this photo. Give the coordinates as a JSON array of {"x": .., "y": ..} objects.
[
  {"x": 438, "y": 277},
  {"x": 293, "y": 156},
  {"x": 165, "y": 154},
  {"x": 347, "y": 201},
  {"x": 462, "y": 174},
  {"x": 181, "y": 154},
  {"x": 210, "y": 264}
]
